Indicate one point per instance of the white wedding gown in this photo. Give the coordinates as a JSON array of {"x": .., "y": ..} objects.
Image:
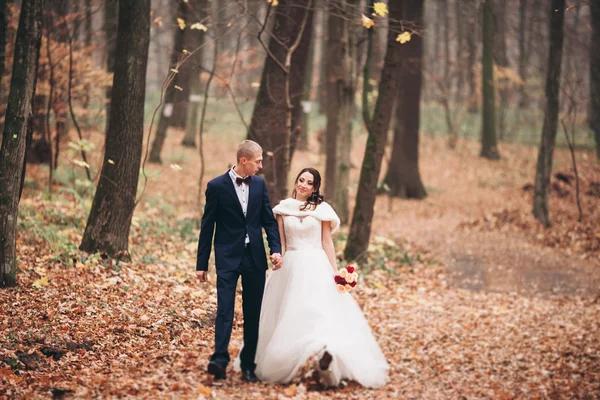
[{"x": 303, "y": 313}]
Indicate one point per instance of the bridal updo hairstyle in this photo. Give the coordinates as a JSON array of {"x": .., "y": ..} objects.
[{"x": 316, "y": 198}]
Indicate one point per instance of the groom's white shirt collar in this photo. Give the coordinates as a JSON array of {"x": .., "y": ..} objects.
[{"x": 234, "y": 174}]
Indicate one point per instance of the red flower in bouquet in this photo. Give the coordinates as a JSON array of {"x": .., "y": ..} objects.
[{"x": 346, "y": 279}]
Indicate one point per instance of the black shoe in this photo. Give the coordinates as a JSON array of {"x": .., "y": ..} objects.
[
  {"x": 217, "y": 370},
  {"x": 249, "y": 376},
  {"x": 325, "y": 361}
]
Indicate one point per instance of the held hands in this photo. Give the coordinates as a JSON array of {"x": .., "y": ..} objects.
[{"x": 276, "y": 260}]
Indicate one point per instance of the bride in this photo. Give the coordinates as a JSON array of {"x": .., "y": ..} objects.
[{"x": 303, "y": 315}]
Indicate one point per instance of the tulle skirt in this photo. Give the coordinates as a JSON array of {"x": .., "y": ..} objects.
[{"x": 303, "y": 314}]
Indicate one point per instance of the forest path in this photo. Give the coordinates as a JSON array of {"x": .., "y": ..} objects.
[{"x": 477, "y": 221}]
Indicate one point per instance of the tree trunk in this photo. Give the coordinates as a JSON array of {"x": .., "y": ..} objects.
[
  {"x": 340, "y": 105},
  {"x": 195, "y": 92},
  {"x": 544, "y": 161},
  {"x": 360, "y": 229},
  {"x": 111, "y": 17},
  {"x": 272, "y": 126},
  {"x": 108, "y": 224},
  {"x": 523, "y": 53},
  {"x": 460, "y": 49},
  {"x": 3, "y": 33},
  {"x": 321, "y": 34},
  {"x": 594, "y": 118},
  {"x": 191, "y": 123},
  {"x": 377, "y": 53},
  {"x": 17, "y": 133},
  {"x": 170, "y": 93},
  {"x": 307, "y": 104},
  {"x": 472, "y": 19},
  {"x": 501, "y": 59},
  {"x": 192, "y": 40},
  {"x": 403, "y": 177},
  {"x": 489, "y": 147}
]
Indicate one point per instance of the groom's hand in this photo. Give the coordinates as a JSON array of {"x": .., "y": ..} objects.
[{"x": 202, "y": 275}]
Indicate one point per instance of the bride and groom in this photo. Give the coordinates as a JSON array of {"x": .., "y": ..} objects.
[{"x": 296, "y": 314}]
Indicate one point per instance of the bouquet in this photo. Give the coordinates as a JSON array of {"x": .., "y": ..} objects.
[{"x": 346, "y": 279}]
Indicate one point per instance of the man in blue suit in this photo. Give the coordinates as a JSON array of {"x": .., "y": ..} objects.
[{"x": 237, "y": 202}]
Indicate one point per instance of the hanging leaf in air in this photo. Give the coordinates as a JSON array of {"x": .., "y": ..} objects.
[
  {"x": 366, "y": 21},
  {"x": 403, "y": 37},
  {"x": 380, "y": 9},
  {"x": 199, "y": 26}
]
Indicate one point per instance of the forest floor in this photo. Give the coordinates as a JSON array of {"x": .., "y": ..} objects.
[{"x": 466, "y": 294}]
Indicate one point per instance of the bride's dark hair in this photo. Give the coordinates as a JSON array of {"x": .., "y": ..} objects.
[{"x": 316, "y": 198}]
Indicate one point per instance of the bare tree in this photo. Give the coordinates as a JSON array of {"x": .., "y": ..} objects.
[
  {"x": 546, "y": 151},
  {"x": 500, "y": 57},
  {"x": 523, "y": 52},
  {"x": 196, "y": 44},
  {"x": 341, "y": 89},
  {"x": 111, "y": 13},
  {"x": 362, "y": 219},
  {"x": 472, "y": 11},
  {"x": 489, "y": 146},
  {"x": 17, "y": 132},
  {"x": 277, "y": 108},
  {"x": 109, "y": 221},
  {"x": 169, "y": 91},
  {"x": 3, "y": 33},
  {"x": 403, "y": 177},
  {"x": 594, "y": 115}
]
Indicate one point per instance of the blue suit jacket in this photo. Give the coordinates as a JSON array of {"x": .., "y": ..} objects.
[{"x": 224, "y": 210}]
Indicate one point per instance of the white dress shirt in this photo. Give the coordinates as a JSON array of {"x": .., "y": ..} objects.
[{"x": 243, "y": 192}]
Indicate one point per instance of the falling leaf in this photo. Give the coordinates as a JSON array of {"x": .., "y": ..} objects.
[
  {"x": 82, "y": 164},
  {"x": 380, "y": 9},
  {"x": 111, "y": 161},
  {"x": 158, "y": 21},
  {"x": 39, "y": 283},
  {"x": 274, "y": 3},
  {"x": 176, "y": 167},
  {"x": 174, "y": 70},
  {"x": 403, "y": 37},
  {"x": 181, "y": 23},
  {"x": 366, "y": 21},
  {"x": 178, "y": 88},
  {"x": 199, "y": 26}
]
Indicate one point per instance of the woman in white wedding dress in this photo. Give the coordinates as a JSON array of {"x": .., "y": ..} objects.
[{"x": 303, "y": 315}]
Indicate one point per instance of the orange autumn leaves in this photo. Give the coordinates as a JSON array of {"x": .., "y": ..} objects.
[{"x": 380, "y": 9}]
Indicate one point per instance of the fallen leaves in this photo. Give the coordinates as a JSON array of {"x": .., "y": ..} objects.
[{"x": 145, "y": 329}]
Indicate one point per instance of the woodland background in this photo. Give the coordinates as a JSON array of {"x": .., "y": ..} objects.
[{"x": 459, "y": 143}]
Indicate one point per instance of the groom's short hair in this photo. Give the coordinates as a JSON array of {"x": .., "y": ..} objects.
[{"x": 248, "y": 149}]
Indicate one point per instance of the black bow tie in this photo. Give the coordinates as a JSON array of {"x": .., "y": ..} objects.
[{"x": 245, "y": 180}]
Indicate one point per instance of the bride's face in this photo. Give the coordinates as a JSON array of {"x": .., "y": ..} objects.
[{"x": 304, "y": 186}]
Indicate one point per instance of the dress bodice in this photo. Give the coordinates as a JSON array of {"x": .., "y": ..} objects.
[{"x": 302, "y": 231}]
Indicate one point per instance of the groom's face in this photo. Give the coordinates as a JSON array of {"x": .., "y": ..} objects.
[{"x": 253, "y": 164}]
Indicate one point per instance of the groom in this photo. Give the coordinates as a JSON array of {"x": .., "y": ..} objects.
[{"x": 237, "y": 202}]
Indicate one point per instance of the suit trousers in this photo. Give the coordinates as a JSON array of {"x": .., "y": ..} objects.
[{"x": 253, "y": 285}]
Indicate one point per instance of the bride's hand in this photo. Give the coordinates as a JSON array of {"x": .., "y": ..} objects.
[{"x": 277, "y": 261}]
